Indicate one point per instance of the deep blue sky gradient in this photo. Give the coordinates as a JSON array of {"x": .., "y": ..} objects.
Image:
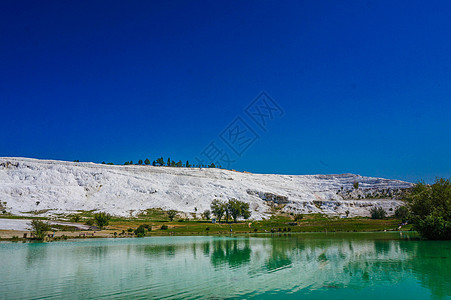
[{"x": 365, "y": 85}]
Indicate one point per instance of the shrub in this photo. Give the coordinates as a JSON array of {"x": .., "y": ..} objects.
[
  {"x": 355, "y": 184},
  {"x": 130, "y": 230},
  {"x": 76, "y": 218},
  {"x": 89, "y": 222},
  {"x": 377, "y": 213},
  {"x": 402, "y": 213},
  {"x": 430, "y": 207},
  {"x": 298, "y": 217},
  {"x": 434, "y": 228},
  {"x": 140, "y": 231},
  {"x": 102, "y": 219},
  {"x": 164, "y": 227}
]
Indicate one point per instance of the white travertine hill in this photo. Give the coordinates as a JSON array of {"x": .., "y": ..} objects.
[{"x": 58, "y": 187}]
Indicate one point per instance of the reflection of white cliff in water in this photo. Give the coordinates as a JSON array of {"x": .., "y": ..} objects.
[{"x": 181, "y": 267}]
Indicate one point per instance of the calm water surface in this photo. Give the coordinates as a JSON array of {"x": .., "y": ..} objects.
[{"x": 297, "y": 266}]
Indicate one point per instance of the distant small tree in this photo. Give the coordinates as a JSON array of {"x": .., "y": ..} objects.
[
  {"x": 140, "y": 162},
  {"x": 172, "y": 163},
  {"x": 179, "y": 164},
  {"x": 147, "y": 161},
  {"x": 169, "y": 162},
  {"x": 102, "y": 219},
  {"x": 377, "y": 213},
  {"x": 355, "y": 185},
  {"x": 212, "y": 165},
  {"x": 187, "y": 164},
  {"x": 172, "y": 214},
  {"x": 160, "y": 161},
  {"x": 206, "y": 214},
  {"x": 126, "y": 163},
  {"x": 347, "y": 213},
  {"x": 131, "y": 162},
  {"x": 40, "y": 229}
]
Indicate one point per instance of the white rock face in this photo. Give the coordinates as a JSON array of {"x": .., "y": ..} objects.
[{"x": 55, "y": 187}]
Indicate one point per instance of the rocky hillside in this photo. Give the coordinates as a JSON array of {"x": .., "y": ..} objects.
[{"x": 31, "y": 186}]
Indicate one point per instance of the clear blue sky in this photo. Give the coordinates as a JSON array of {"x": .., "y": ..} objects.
[{"x": 365, "y": 86}]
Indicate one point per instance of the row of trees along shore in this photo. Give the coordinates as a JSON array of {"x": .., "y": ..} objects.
[{"x": 161, "y": 162}]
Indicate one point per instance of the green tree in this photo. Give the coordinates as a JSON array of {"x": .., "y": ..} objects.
[
  {"x": 245, "y": 210},
  {"x": 169, "y": 162},
  {"x": 212, "y": 165},
  {"x": 430, "y": 207},
  {"x": 218, "y": 208},
  {"x": 140, "y": 162},
  {"x": 102, "y": 219},
  {"x": 126, "y": 163},
  {"x": 179, "y": 164},
  {"x": 172, "y": 163},
  {"x": 172, "y": 214},
  {"x": 39, "y": 229},
  {"x": 355, "y": 184},
  {"x": 187, "y": 164},
  {"x": 206, "y": 214},
  {"x": 147, "y": 161}
]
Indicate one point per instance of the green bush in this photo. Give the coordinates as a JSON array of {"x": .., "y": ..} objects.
[
  {"x": 434, "y": 228},
  {"x": 164, "y": 227},
  {"x": 76, "y": 218},
  {"x": 430, "y": 207},
  {"x": 402, "y": 213},
  {"x": 298, "y": 217},
  {"x": 140, "y": 231},
  {"x": 377, "y": 213}
]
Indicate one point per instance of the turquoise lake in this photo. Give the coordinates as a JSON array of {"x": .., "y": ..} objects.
[{"x": 294, "y": 266}]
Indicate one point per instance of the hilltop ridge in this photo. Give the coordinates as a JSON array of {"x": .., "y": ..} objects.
[{"x": 50, "y": 187}]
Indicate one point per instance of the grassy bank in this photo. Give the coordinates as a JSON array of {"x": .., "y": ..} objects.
[{"x": 159, "y": 225}]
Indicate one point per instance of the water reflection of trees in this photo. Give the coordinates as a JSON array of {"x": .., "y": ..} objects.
[
  {"x": 279, "y": 256},
  {"x": 322, "y": 262},
  {"x": 36, "y": 253},
  {"x": 231, "y": 252},
  {"x": 431, "y": 264}
]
